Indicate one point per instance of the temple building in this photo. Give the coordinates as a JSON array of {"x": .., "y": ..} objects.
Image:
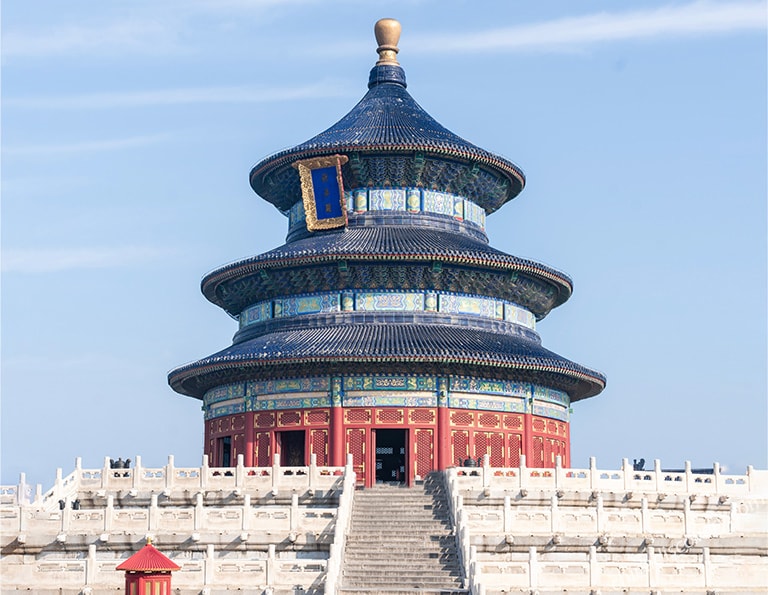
[
  {"x": 385, "y": 345},
  {"x": 386, "y": 326}
]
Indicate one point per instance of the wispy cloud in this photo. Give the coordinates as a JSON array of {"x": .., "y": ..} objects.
[
  {"x": 697, "y": 18},
  {"x": 128, "y": 99},
  {"x": 51, "y": 260},
  {"x": 137, "y": 36},
  {"x": 86, "y": 146}
]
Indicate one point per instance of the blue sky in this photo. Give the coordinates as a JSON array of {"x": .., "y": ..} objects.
[{"x": 129, "y": 129}]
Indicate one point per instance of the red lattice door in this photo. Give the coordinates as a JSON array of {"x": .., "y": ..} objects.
[
  {"x": 318, "y": 446},
  {"x": 423, "y": 446},
  {"x": 262, "y": 454},
  {"x": 356, "y": 447}
]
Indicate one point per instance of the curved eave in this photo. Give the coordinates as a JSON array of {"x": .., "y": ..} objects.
[
  {"x": 285, "y": 159},
  {"x": 355, "y": 245},
  {"x": 406, "y": 345}
]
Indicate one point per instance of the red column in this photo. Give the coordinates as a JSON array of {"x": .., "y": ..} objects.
[
  {"x": 528, "y": 439},
  {"x": 249, "y": 446},
  {"x": 443, "y": 434},
  {"x": 337, "y": 424},
  {"x": 337, "y": 436}
]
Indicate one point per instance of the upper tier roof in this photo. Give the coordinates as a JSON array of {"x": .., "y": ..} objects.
[{"x": 391, "y": 141}]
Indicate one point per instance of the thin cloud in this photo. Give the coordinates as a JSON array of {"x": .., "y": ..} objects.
[
  {"x": 164, "y": 97},
  {"x": 88, "y": 146},
  {"x": 50, "y": 260},
  {"x": 145, "y": 37},
  {"x": 695, "y": 19}
]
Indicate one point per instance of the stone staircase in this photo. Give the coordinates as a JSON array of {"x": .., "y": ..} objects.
[{"x": 401, "y": 540}]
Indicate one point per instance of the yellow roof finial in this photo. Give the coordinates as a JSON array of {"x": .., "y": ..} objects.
[{"x": 387, "y": 33}]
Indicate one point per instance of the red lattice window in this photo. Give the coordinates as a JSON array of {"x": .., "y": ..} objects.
[
  {"x": 538, "y": 424},
  {"x": 481, "y": 444},
  {"x": 357, "y": 416},
  {"x": 316, "y": 417},
  {"x": 489, "y": 420},
  {"x": 356, "y": 447},
  {"x": 462, "y": 418},
  {"x": 389, "y": 416},
  {"x": 537, "y": 460},
  {"x": 496, "y": 456},
  {"x": 514, "y": 422},
  {"x": 460, "y": 443},
  {"x": 515, "y": 447},
  {"x": 289, "y": 418},
  {"x": 238, "y": 423},
  {"x": 264, "y": 419},
  {"x": 262, "y": 453},
  {"x": 318, "y": 444},
  {"x": 424, "y": 456},
  {"x": 422, "y": 416},
  {"x": 563, "y": 429},
  {"x": 552, "y": 427}
]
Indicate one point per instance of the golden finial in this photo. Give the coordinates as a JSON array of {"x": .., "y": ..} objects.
[{"x": 387, "y": 33}]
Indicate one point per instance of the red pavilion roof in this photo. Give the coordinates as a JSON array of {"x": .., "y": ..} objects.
[{"x": 148, "y": 559}]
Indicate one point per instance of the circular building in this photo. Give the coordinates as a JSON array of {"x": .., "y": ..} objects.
[{"x": 386, "y": 326}]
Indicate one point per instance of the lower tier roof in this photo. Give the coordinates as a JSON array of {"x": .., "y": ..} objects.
[{"x": 383, "y": 348}]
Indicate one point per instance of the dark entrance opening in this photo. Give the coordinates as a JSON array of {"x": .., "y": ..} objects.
[
  {"x": 225, "y": 451},
  {"x": 292, "y": 448},
  {"x": 390, "y": 456}
]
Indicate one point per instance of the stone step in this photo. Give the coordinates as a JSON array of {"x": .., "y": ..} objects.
[
  {"x": 399, "y": 581},
  {"x": 402, "y": 591}
]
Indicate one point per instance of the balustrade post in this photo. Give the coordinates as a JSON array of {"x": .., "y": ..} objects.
[
  {"x": 593, "y": 475},
  {"x": 486, "y": 472},
  {"x": 644, "y": 520},
  {"x": 312, "y": 470},
  {"x": 240, "y": 472},
  {"x": 90, "y": 565},
  {"x": 658, "y": 476},
  {"x": 153, "y": 513},
  {"x": 689, "y": 485},
  {"x": 210, "y": 565},
  {"x": 246, "y": 512},
  {"x": 687, "y": 516},
  {"x": 170, "y": 473},
  {"x": 38, "y": 493},
  {"x": 136, "y": 475},
  {"x": 109, "y": 513},
  {"x": 204, "y": 474},
  {"x": 554, "y": 511},
  {"x": 57, "y": 484},
  {"x": 275, "y": 473},
  {"x": 271, "y": 566},
  {"x": 106, "y": 472},
  {"x": 559, "y": 479},
  {"x": 626, "y": 471},
  {"x": 294, "y": 518},
  {"x": 523, "y": 473},
  {"x": 599, "y": 513},
  {"x": 716, "y": 473},
  {"x": 750, "y": 477},
  {"x": 198, "y": 511},
  {"x": 533, "y": 568}
]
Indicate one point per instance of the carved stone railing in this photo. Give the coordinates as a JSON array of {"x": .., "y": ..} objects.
[
  {"x": 625, "y": 480},
  {"x": 493, "y": 507},
  {"x": 170, "y": 478},
  {"x": 343, "y": 519}
]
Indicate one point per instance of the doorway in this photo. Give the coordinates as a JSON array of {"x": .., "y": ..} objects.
[
  {"x": 390, "y": 456},
  {"x": 291, "y": 448}
]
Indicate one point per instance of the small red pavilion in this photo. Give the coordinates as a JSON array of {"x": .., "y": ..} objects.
[{"x": 148, "y": 572}]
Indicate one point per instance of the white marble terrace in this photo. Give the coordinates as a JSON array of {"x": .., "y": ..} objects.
[{"x": 281, "y": 529}]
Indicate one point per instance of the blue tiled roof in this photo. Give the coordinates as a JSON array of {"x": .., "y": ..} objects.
[
  {"x": 387, "y": 243},
  {"x": 386, "y": 344},
  {"x": 387, "y": 123}
]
